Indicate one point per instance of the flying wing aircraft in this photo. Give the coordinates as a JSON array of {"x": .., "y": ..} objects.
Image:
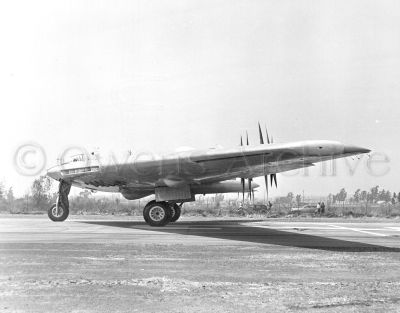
[{"x": 177, "y": 178}]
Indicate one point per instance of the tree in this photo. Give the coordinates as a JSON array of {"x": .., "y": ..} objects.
[
  {"x": 10, "y": 195},
  {"x": 381, "y": 195},
  {"x": 357, "y": 196},
  {"x": 2, "y": 190},
  {"x": 342, "y": 195},
  {"x": 398, "y": 197},
  {"x": 388, "y": 196},
  {"x": 384, "y": 195},
  {"x": 374, "y": 194},
  {"x": 290, "y": 197},
  {"x": 330, "y": 199},
  {"x": 298, "y": 200},
  {"x": 40, "y": 190},
  {"x": 363, "y": 195}
]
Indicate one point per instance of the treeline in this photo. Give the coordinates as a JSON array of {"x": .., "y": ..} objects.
[
  {"x": 37, "y": 198},
  {"x": 374, "y": 195},
  {"x": 374, "y": 202}
]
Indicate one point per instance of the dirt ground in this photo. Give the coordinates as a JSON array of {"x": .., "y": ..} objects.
[{"x": 196, "y": 265}]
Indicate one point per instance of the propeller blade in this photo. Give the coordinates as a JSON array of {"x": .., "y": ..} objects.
[
  {"x": 260, "y": 132},
  {"x": 252, "y": 192},
  {"x": 266, "y": 184},
  {"x": 241, "y": 141},
  {"x": 247, "y": 138},
  {"x": 273, "y": 178},
  {"x": 243, "y": 187},
  {"x": 272, "y": 139},
  {"x": 266, "y": 131},
  {"x": 250, "y": 179}
]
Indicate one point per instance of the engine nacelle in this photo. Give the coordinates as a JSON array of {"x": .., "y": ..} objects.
[
  {"x": 132, "y": 194},
  {"x": 186, "y": 194},
  {"x": 221, "y": 187}
]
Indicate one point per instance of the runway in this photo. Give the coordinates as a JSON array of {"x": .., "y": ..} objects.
[{"x": 103, "y": 264}]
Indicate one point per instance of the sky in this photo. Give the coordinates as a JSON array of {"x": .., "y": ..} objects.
[{"x": 159, "y": 75}]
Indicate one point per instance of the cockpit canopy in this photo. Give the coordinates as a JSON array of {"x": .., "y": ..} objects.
[{"x": 77, "y": 158}]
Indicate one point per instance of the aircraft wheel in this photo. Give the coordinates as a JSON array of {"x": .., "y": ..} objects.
[
  {"x": 157, "y": 213},
  {"x": 176, "y": 212},
  {"x": 59, "y": 216},
  {"x": 144, "y": 210}
]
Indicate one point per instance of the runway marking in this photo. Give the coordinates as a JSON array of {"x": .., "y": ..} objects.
[
  {"x": 292, "y": 227},
  {"x": 359, "y": 230},
  {"x": 393, "y": 228},
  {"x": 302, "y": 227},
  {"x": 188, "y": 228},
  {"x": 182, "y": 228}
]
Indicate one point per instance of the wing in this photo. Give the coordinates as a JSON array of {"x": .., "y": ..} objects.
[{"x": 200, "y": 167}]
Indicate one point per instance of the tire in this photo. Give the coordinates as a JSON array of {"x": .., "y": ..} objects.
[
  {"x": 176, "y": 212},
  {"x": 62, "y": 214},
  {"x": 157, "y": 213},
  {"x": 144, "y": 209}
]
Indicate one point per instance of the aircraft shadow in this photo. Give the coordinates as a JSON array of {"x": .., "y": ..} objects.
[{"x": 233, "y": 230}]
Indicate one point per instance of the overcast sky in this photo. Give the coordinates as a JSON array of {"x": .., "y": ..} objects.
[{"x": 159, "y": 75}]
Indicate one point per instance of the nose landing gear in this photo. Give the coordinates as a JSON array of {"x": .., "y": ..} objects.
[{"x": 59, "y": 211}]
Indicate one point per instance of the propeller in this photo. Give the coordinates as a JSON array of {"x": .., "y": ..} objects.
[
  {"x": 266, "y": 184},
  {"x": 250, "y": 188},
  {"x": 242, "y": 179},
  {"x": 243, "y": 187},
  {"x": 262, "y": 142},
  {"x": 273, "y": 176},
  {"x": 266, "y": 131},
  {"x": 250, "y": 179},
  {"x": 273, "y": 179},
  {"x": 260, "y": 132}
]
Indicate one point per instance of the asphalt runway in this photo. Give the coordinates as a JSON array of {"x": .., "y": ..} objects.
[{"x": 103, "y": 264}]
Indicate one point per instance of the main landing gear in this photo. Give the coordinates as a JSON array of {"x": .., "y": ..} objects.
[
  {"x": 161, "y": 213},
  {"x": 154, "y": 213},
  {"x": 59, "y": 211}
]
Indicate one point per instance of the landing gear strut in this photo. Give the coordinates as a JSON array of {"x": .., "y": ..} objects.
[
  {"x": 59, "y": 211},
  {"x": 161, "y": 213}
]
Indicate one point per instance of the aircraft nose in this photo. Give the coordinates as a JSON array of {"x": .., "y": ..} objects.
[
  {"x": 54, "y": 172},
  {"x": 351, "y": 149}
]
